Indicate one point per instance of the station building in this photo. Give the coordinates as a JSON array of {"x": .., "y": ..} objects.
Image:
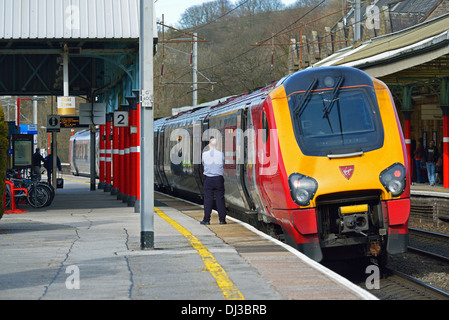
[{"x": 414, "y": 63}]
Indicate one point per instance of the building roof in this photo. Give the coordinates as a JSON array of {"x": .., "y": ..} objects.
[
  {"x": 412, "y": 6},
  {"x": 401, "y": 13},
  {"x": 401, "y": 50},
  {"x": 69, "y": 19},
  {"x": 398, "y": 7}
]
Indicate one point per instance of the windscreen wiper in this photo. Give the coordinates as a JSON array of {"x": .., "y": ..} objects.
[
  {"x": 329, "y": 107},
  {"x": 301, "y": 106}
]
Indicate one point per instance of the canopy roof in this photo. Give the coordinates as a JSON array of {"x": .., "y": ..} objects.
[
  {"x": 417, "y": 52},
  {"x": 69, "y": 19}
]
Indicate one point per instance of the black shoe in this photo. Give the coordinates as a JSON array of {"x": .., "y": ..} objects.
[
  {"x": 223, "y": 222},
  {"x": 204, "y": 222}
]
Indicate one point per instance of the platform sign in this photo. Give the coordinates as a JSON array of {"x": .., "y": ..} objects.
[
  {"x": 28, "y": 128},
  {"x": 71, "y": 122},
  {"x": 53, "y": 123},
  {"x": 22, "y": 151},
  {"x": 121, "y": 119},
  {"x": 66, "y": 105},
  {"x": 92, "y": 113}
]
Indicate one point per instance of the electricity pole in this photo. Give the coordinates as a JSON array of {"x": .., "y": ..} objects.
[
  {"x": 357, "y": 18},
  {"x": 195, "y": 71}
]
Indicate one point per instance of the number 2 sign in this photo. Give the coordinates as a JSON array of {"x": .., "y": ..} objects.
[{"x": 120, "y": 118}]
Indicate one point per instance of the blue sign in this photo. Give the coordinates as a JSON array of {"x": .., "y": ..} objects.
[
  {"x": 28, "y": 128},
  {"x": 32, "y": 129}
]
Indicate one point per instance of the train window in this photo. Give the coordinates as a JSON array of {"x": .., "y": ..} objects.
[
  {"x": 265, "y": 127},
  {"x": 346, "y": 122}
]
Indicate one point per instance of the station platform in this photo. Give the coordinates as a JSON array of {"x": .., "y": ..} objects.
[
  {"x": 424, "y": 189},
  {"x": 86, "y": 246}
]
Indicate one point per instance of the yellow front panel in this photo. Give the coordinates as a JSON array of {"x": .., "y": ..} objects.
[{"x": 327, "y": 171}]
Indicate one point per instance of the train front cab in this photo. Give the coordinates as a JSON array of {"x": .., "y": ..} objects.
[{"x": 354, "y": 202}]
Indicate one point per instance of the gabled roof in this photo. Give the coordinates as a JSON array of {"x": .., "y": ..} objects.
[
  {"x": 69, "y": 19},
  {"x": 391, "y": 53},
  {"x": 415, "y": 7}
]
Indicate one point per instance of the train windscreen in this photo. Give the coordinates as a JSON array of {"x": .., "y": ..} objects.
[{"x": 339, "y": 121}]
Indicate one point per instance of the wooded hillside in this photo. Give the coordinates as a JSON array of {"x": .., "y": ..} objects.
[{"x": 230, "y": 62}]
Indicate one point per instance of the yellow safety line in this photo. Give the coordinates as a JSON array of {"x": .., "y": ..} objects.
[
  {"x": 230, "y": 291},
  {"x": 76, "y": 180}
]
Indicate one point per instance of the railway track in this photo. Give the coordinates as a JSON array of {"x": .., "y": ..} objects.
[
  {"x": 396, "y": 285},
  {"x": 427, "y": 250},
  {"x": 431, "y": 244},
  {"x": 409, "y": 276}
]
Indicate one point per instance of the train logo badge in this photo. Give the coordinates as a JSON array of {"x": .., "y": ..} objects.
[{"x": 347, "y": 171}]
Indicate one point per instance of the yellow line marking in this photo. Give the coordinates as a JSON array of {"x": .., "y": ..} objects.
[
  {"x": 76, "y": 180},
  {"x": 230, "y": 291}
]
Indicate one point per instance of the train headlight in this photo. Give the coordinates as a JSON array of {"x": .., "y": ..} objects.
[
  {"x": 394, "y": 179},
  {"x": 302, "y": 188}
]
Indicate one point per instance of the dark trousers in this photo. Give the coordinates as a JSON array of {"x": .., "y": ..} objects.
[
  {"x": 214, "y": 186},
  {"x": 49, "y": 173}
]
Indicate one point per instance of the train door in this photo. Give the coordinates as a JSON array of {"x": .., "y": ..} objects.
[
  {"x": 198, "y": 147},
  {"x": 160, "y": 157},
  {"x": 157, "y": 176},
  {"x": 253, "y": 121},
  {"x": 73, "y": 156},
  {"x": 243, "y": 138}
]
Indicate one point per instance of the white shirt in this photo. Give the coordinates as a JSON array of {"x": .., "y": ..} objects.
[{"x": 213, "y": 161}]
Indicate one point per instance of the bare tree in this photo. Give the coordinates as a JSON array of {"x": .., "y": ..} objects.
[
  {"x": 252, "y": 7},
  {"x": 204, "y": 13}
]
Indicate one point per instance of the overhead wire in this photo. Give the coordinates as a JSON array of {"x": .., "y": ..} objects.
[
  {"x": 223, "y": 81},
  {"x": 252, "y": 48}
]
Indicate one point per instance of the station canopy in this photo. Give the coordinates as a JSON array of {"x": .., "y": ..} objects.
[
  {"x": 100, "y": 36},
  {"x": 416, "y": 54}
]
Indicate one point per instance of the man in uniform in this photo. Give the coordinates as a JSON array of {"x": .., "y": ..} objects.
[
  {"x": 37, "y": 159},
  {"x": 213, "y": 161}
]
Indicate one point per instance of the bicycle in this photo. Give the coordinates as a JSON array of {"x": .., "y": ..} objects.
[{"x": 40, "y": 194}]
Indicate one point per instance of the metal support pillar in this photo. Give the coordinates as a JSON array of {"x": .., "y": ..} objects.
[
  {"x": 444, "y": 101},
  {"x": 34, "y": 99},
  {"x": 65, "y": 70},
  {"x": 54, "y": 155},
  {"x": 407, "y": 137},
  {"x": 93, "y": 165},
  {"x": 127, "y": 167},
  {"x": 133, "y": 150},
  {"x": 108, "y": 153},
  {"x": 195, "y": 71},
  {"x": 121, "y": 163},
  {"x": 407, "y": 109},
  {"x": 357, "y": 20},
  {"x": 115, "y": 162},
  {"x": 137, "y": 204},
  {"x": 102, "y": 157},
  {"x": 146, "y": 51},
  {"x": 445, "y": 146}
]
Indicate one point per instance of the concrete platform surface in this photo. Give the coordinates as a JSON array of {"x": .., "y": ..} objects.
[{"x": 85, "y": 246}]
